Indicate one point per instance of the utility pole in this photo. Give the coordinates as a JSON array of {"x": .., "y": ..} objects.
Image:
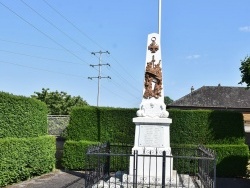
[{"x": 99, "y": 77}]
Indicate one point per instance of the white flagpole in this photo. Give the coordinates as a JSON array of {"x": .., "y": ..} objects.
[{"x": 159, "y": 19}]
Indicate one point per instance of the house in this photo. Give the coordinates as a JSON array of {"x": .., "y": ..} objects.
[{"x": 217, "y": 98}]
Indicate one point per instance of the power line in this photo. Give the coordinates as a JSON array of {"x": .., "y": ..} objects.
[
  {"x": 65, "y": 47},
  {"x": 119, "y": 75},
  {"x": 32, "y": 45},
  {"x": 127, "y": 91},
  {"x": 122, "y": 97},
  {"x": 99, "y": 77},
  {"x": 83, "y": 47},
  {"x": 38, "y": 57},
  {"x": 128, "y": 83},
  {"x": 123, "y": 68},
  {"x": 45, "y": 70},
  {"x": 38, "y": 46},
  {"x": 42, "y": 32},
  {"x": 73, "y": 25},
  {"x": 121, "y": 86},
  {"x": 114, "y": 93}
]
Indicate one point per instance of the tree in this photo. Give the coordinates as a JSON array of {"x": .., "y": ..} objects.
[
  {"x": 245, "y": 71},
  {"x": 168, "y": 100},
  {"x": 58, "y": 103}
]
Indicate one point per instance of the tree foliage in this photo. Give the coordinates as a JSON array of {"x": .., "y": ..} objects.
[
  {"x": 59, "y": 103},
  {"x": 245, "y": 71},
  {"x": 168, "y": 100}
]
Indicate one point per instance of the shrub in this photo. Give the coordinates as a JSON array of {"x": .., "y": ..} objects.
[
  {"x": 83, "y": 124},
  {"x": 74, "y": 154},
  {"x": 22, "y": 117},
  {"x": 116, "y": 125},
  {"x": 206, "y": 127},
  {"x": 22, "y": 158},
  {"x": 222, "y": 131},
  {"x": 101, "y": 124},
  {"x": 231, "y": 160},
  {"x": 188, "y": 127}
]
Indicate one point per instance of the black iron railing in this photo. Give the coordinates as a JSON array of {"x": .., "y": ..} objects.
[{"x": 116, "y": 165}]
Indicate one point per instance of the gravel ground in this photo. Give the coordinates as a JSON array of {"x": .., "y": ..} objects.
[{"x": 75, "y": 179}]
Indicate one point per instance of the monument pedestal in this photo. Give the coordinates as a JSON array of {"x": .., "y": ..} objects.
[{"x": 152, "y": 137}]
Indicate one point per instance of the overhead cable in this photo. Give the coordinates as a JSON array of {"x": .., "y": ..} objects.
[
  {"x": 43, "y": 33},
  {"x": 83, "y": 47},
  {"x": 40, "y": 69}
]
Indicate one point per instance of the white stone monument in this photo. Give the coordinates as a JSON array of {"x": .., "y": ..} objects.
[{"x": 152, "y": 132}]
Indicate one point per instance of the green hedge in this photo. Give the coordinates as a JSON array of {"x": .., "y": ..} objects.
[
  {"x": 22, "y": 158},
  {"x": 101, "y": 124},
  {"x": 232, "y": 160},
  {"x": 74, "y": 154},
  {"x": 188, "y": 127},
  {"x": 206, "y": 127},
  {"x": 222, "y": 131},
  {"x": 22, "y": 117}
]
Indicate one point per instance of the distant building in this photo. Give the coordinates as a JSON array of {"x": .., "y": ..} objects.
[{"x": 216, "y": 98}]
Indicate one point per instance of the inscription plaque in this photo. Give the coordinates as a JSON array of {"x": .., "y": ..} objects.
[{"x": 151, "y": 136}]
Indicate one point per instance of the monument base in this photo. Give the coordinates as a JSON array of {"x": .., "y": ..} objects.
[
  {"x": 150, "y": 180},
  {"x": 151, "y": 139},
  {"x": 149, "y": 162},
  {"x": 127, "y": 181}
]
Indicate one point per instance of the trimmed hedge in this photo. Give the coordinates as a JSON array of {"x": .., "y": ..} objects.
[
  {"x": 74, "y": 154},
  {"x": 83, "y": 124},
  {"x": 22, "y": 158},
  {"x": 25, "y": 148},
  {"x": 206, "y": 127},
  {"x": 231, "y": 160},
  {"x": 222, "y": 131},
  {"x": 188, "y": 127},
  {"x": 101, "y": 124},
  {"x": 22, "y": 117}
]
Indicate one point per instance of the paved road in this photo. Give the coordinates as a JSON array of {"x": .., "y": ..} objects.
[
  {"x": 57, "y": 179},
  {"x": 75, "y": 179}
]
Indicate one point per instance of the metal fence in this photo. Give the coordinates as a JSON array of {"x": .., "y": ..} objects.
[
  {"x": 57, "y": 124},
  {"x": 109, "y": 165}
]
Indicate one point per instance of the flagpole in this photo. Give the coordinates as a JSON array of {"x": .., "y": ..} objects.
[{"x": 159, "y": 18}]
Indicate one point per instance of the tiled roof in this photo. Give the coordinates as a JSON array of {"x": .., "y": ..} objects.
[{"x": 216, "y": 96}]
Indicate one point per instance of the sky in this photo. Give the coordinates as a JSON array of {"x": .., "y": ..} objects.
[{"x": 48, "y": 44}]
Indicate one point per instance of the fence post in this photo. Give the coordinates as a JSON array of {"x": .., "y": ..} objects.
[
  {"x": 163, "y": 169},
  {"x": 107, "y": 162},
  {"x": 215, "y": 171},
  {"x": 135, "y": 165}
]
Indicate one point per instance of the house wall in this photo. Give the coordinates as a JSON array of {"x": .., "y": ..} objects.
[{"x": 246, "y": 118}]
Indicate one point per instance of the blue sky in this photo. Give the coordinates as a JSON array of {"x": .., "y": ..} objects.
[{"x": 48, "y": 44}]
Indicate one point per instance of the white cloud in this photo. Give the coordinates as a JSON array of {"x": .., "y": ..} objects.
[
  {"x": 196, "y": 56},
  {"x": 245, "y": 29}
]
